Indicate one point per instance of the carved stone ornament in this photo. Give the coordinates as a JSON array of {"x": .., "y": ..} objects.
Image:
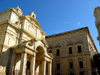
[
  {"x": 80, "y": 59},
  {"x": 70, "y": 43},
  {"x": 50, "y": 47},
  {"x": 57, "y": 46},
  {"x": 78, "y": 42}
]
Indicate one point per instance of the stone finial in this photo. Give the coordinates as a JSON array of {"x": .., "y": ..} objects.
[
  {"x": 32, "y": 14},
  {"x": 18, "y": 10}
]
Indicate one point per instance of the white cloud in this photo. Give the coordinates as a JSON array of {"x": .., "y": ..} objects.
[{"x": 78, "y": 23}]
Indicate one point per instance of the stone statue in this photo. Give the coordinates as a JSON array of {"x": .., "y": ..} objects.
[{"x": 97, "y": 20}]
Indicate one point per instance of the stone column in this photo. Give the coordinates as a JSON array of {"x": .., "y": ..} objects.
[
  {"x": 32, "y": 67},
  {"x": 43, "y": 67},
  {"x": 49, "y": 68},
  {"x": 23, "y": 64},
  {"x": 12, "y": 64}
]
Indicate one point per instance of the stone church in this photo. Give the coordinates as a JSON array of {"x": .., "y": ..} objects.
[
  {"x": 23, "y": 48},
  {"x": 72, "y": 52}
]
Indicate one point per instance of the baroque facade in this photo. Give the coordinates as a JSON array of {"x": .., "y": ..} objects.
[
  {"x": 23, "y": 48},
  {"x": 72, "y": 52},
  {"x": 97, "y": 21}
]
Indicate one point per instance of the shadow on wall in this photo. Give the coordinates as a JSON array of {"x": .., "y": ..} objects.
[{"x": 5, "y": 60}]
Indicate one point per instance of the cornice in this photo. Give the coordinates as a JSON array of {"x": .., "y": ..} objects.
[
  {"x": 67, "y": 33},
  {"x": 92, "y": 40},
  {"x": 43, "y": 33},
  {"x": 28, "y": 33},
  {"x": 10, "y": 9}
]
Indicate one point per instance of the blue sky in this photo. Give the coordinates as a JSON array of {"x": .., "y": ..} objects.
[{"x": 56, "y": 16}]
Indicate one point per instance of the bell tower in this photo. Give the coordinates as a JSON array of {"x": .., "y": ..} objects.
[{"x": 32, "y": 14}]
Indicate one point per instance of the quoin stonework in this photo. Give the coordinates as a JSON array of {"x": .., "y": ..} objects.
[
  {"x": 23, "y": 48},
  {"x": 72, "y": 52}
]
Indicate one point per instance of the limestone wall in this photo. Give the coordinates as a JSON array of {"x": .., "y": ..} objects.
[
  {"x": 14, "y": 17},
  {"x": 4, "y": 16}
]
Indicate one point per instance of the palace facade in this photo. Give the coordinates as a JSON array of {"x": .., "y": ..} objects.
[
  {"x": 23, "y": 48},
  {"x": 72, "y": 52}
]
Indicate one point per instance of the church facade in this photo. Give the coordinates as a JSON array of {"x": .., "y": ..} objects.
[
  {"x": 23, "y": 48},
  {"x": 72, "y": 52}
]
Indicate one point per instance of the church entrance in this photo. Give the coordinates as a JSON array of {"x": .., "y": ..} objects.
[{"x": 28, "y": 68}]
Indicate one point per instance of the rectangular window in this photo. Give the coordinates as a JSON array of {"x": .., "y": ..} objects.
[
  {"x": 50, "y": 51},
  {"x": 57, "y": 52},
  {"x": 70, "y": 50},
  {"x": 79, "y": 49},
  {"x": 81, "y": 64},
  {"x": 71, "y": 65},
  {"x": 81, "y": 73},
  {"x": 58, "y": 66},
  {"x": 58, "y": 73}
]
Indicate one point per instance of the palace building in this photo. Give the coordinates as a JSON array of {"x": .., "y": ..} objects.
[
  {"x": 72, "y": 52},
  {"x": 23, "y": 48}
]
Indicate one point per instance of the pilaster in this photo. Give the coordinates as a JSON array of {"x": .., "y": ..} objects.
[
  {"x": 33, "y": 65},
  {"x": 23, "y": 64},
  {"x": 43, "y": 67},
  {"x": 49, "y": 68},
  {"x": 12, "y": 64}
]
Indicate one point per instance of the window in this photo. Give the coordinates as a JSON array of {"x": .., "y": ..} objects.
[
  {"x": 71, "y": 65},
  {"x": 81, "y": 64},
  {"x": 71, "y": 73},
  {"x": 57, "y": 52},
  {"x": 58, "y": 73},
  {"x": 81, "y": 73},
  {"x": 79, "y": 49},
  {"x": 58, "y": 66},
  {"x": 33, "y": 15},
  {"x": 70, "y": 50},
  {"x": 50, "y": 51}
]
